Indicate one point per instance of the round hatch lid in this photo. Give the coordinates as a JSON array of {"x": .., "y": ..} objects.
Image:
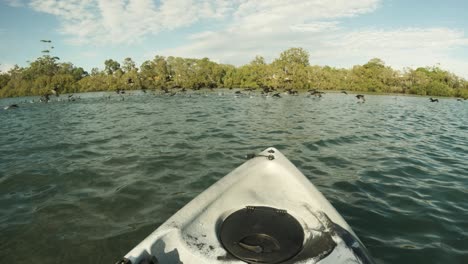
[{"x": 262, "y": 235}]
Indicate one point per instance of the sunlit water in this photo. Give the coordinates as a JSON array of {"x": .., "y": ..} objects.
[{"x": 85, "y": 181}]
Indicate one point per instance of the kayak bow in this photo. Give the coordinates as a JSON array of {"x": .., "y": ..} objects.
[{"x": 265, "y": 211}]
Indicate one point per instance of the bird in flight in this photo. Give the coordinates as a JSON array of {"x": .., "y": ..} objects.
[{"x": 360, "y": 97}]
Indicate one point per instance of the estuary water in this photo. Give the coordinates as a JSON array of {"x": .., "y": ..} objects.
[{"x": 85, "y": 181}]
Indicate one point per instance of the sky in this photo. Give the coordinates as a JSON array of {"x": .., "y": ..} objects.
[{"x": 338, "y": 33}]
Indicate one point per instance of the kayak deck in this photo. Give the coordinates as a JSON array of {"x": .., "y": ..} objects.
[{"x": 238, "y": 219}]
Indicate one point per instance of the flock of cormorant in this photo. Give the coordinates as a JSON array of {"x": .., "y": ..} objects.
[
  {"x": 266, "y": 92},
  {"x": 46, "y": 97}
]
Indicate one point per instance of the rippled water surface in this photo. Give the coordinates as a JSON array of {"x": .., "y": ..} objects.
[{"x": 85, "y": 181}]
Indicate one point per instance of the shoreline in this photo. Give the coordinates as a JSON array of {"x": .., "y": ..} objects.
[{"x": 47, "y": 76}]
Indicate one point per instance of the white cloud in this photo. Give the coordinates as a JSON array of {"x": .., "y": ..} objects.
[
  {"x": 268, "y": 27},
  {"x": 15, "y": 3},
  {"x": 257, "y": 27},
  {"x": 263, "y": 13},
  {"x": 315, "y": 27},
  {"x": 328, "y": 42},
  {"x": 126, "y": 21},
  {"x": 410, "y": 47},
  {"x": 412, "y": 38},
  {"x": 4, "y": 67}
]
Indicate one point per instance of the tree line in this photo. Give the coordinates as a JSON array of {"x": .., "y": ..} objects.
[{"x": 291, "y": 70}]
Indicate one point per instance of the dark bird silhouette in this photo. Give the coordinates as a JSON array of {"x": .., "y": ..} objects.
[
  {"x": 267, "y": 89},
  {"x": 277, "y": 95},
  {"x": 46, "y": 40},
  {"x": 45, "y": 51},
  {"x": 12, "y": 106},
  {"x": 360, "y": 97},
  {"x": 55, "y": 91},
  {"x": 120, "y": 91},
  {"x": 343, "y": 91},
  {"x": 459, "y": 99},
  {"x": 434, "y": 100},
  {"x": 238, "y": 92},
  {"x": 45, "y": 98},
  {"x": 316, "y": 93},
  {"x": 292, "y": 91}
]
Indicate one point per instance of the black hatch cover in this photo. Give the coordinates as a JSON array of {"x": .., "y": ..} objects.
[{"x": 262, "y": 235}]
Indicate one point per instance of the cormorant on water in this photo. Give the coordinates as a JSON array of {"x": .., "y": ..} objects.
[
  {"x": 292, "y": 91},
  {"x": 267, "y": 89},
  {"x": 433, "y": 100},
  {"x": 45, "y": 98},
  {"x": 11, "y": 106},
  {"x": 120, "y": 91},
  {"x": 316, "y": 92},
  {"x": 238, "y": 92},
  {"x": 360, "y": 97},
  {"x": 343, "y": 91},
  {"x": 276, "y": 95}
]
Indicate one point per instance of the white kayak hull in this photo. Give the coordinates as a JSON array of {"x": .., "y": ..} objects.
[{"x": 269, "y": 180}]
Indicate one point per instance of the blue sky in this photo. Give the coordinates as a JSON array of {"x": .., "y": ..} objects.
[{"x": 338, "y": 33}]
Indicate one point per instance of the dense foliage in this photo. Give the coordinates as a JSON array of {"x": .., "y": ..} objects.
[{"x": 290, "y": 71}]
